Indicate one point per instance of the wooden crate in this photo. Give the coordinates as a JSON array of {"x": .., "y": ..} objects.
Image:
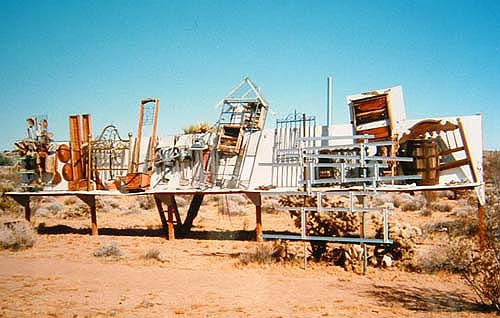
[{"x": 137, "y": 181}]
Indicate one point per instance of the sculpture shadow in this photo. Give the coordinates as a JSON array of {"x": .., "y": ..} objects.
[
  {"x": 427, "y": 299},
  {"x": 64, "y": 229},
  {"x": 222, "y": 235}
]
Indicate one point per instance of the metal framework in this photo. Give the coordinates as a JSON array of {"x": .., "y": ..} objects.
[
  {"x": 239, "y": 128},
  {"x": 287, "y": 147},
  {"x": 110, "y": 154},
  {"x": 352, "y": 207}
]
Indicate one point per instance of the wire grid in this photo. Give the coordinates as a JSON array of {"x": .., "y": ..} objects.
[{"x": 149, "y": 112}]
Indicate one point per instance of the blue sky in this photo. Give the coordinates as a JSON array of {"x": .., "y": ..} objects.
[{"x": 101, "y": 57}]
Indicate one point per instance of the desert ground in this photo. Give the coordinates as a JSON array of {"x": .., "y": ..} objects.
[{"x": 203, "y": 275}]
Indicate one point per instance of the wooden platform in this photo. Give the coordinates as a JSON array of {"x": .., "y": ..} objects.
[
  {"x": 165, "y": 203},
  {"x": 169, "y": 213}
]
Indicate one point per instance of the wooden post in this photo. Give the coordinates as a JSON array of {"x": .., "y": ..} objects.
[
  {"x": 24, "y": 200},
  {"x": 172, "y": 206},
  {"x": 164, "y": 222},
  {"x": 472, "y": 164},
  {"x": 482, "y": 226},
  {"x": 75, "y": 146},
  {"x": 152, "y": 143},
  {"x": 172, "y": 211},
  {"x": 192, "y": 213},
  {"x": 89, "y": 199},
  {"x": 258, "y": 221},
  {"x": 429, "y": 196},
  {"x": 256, "y": 199}
]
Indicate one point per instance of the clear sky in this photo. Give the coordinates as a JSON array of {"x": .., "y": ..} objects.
[{"x": 101, "y": 57}]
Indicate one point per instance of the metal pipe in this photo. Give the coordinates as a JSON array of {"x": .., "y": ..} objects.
[{"x": 329, "y": 109}]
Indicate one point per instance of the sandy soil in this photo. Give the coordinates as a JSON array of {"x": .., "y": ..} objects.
[{"x": 202, "y": 276}]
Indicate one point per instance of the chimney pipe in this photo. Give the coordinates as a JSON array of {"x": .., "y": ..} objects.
[{"x": 329, "y": 109}]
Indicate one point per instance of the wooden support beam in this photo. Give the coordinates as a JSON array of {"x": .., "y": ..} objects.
[
  {"x": 164, "y": 223},
  {"x": 482, "y": 226},
  {"x": 430, "y": 197},
  {"x": 465, "y": 141},
  {"x": 257, "y": 201},
  {"x": 75, "y": 145},
  {"x": 453, "y": 164},
  {"x": 172, "y": 211},
  {"x": 192, "y": 213},
  {"x": 450, "y": 151},
  {"x": 172, "y": 204},
  {"x": 24, "y": 200},
  {"x": 89, "y": 199}
]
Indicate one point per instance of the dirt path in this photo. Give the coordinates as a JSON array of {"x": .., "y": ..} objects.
[{"x": 60, "y": 277}]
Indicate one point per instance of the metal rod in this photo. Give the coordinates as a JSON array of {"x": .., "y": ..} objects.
[
  {"x": 347, "y": 240},
  {"x": 329, "y": 109}
]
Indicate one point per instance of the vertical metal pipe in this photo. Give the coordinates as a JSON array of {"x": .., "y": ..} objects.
[{"x": 329, "y": 109}]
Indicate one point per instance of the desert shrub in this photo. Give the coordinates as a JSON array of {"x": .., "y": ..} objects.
[
  {"x": 321, "y": 223},
  {"x": 442, "y": 206},
  {"x": 270, "y": 205},
  {"x": 17, "y": 235},
  {"x": 8, "y": 204},
  {"x": 482, "y": 274},
  {"x": 463, "y": 226},
  {"x": 43, "y": 212},
  {"x": 349, "y": 257},
  {"x": 491, "y": 167},
  {"x": 81, "y": 210},
  {"x": 262, "y": 254},
  {"x": 232, "y": 204},
  {"x": 201, "y": 127},
  {"x": 448, "y": 194},
  {"x": 463, "y": 209},
  {"x": 55, "y": 207},
  {"x": 183, "y": 200},
  {"x": 154, "y": 254},
  {"x": 5, "y": 161},
  {"x": 479, "y": 267},
  {"x": 265, "y": 253},
  {"x": 146, "y": 202},
  {"x": 70, "y": 200},
  {"x": 108, "y": 249},
  {"x": 403, "y": 248},
  {"x": 382, "y": 199},
  {"x": 450, "y": 257},
  {"x": 400, "y": 198},
  {"x": 414, "y": 203},
  {"x": 111, "y": 202}
]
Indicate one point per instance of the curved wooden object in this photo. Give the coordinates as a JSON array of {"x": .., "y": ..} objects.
[{"x": 425, "y": 126}]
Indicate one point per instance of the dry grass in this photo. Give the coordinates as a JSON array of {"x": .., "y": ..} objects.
[
  {"x": 17, "y": 236},
  {"x": 450, "y": 257},
  {"x": 267, "y": 253},
  {"x": 154, "y": 254}
]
